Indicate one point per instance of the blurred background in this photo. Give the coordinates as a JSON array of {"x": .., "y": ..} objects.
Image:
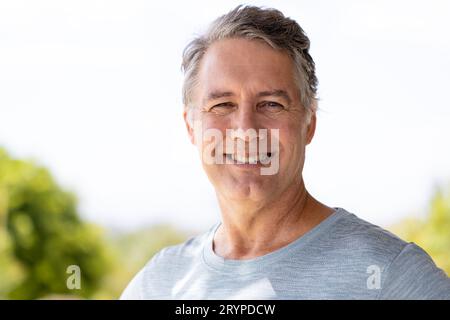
[{"x": 96, "y": 169}]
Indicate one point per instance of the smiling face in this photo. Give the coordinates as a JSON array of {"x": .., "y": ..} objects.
[{"x": 246, "y": 84}]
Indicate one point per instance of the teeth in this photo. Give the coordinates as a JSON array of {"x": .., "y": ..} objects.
[{"x": 249, "y": 160}]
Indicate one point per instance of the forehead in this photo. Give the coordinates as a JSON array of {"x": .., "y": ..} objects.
[{"x": 242, "y": 64}]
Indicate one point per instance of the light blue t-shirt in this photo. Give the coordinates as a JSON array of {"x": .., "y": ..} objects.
[{"x": 344, "y": 257}]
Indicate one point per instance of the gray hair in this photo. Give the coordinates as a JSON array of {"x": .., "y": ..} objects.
[{"x": 266, "y": 24}]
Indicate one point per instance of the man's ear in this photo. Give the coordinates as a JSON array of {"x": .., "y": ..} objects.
[
  {"x": 311, "y": 128},
  {"x": 187, "y": 116}
]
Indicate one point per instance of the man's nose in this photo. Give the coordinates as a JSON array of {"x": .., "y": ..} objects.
[
  {"x": 245, "y": 128},
  {"x": 245, "y": 118}
]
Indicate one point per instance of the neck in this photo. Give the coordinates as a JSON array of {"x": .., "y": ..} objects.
[{"x": 248, "y": 231}]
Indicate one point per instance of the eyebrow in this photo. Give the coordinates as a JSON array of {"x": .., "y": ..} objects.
[
  {"x": 214, "y": 95},
  {"x": 219, "y": 94}
]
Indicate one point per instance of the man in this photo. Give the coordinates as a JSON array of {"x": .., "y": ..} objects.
[{"x": 250, "y": 72}]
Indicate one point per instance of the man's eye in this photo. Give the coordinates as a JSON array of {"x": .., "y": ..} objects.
[
  {"x": 272, "y": 106},
  {"x": 222, "y": 107}
]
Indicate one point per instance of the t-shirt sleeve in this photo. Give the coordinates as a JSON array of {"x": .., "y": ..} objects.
[
  {"x": 134, "y": 289},
  {"x": 413, "y": 275}
]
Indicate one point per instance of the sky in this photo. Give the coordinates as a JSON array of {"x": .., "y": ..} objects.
[{"x": 92, "y": 90}]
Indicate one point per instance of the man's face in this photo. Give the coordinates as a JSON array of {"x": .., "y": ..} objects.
[{"x": 245, "y": 84}]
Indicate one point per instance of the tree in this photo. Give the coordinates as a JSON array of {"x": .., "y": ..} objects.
[{"x": 41, "y": 235}]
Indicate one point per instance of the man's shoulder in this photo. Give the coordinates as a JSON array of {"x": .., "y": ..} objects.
[
  {"x": 166, "y": 267},
  {"x": 189, "y": 249},
  {"x": 407, "y": 270},
  {"x": 355, "y": 242},
  {"x": 351, "y": 231}
]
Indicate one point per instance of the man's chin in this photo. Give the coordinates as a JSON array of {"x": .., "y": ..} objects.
[{"x": 248, "y": 190}]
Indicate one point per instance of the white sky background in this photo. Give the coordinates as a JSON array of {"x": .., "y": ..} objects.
[{"x": 91, "y": 89}]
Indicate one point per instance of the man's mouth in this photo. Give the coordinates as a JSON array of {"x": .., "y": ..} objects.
[{"x": 263, "y": 158}]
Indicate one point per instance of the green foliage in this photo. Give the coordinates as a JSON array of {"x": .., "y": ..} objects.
[
  {"x": 433, "y": 232},
  {"x": 41, "y": 234}
]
